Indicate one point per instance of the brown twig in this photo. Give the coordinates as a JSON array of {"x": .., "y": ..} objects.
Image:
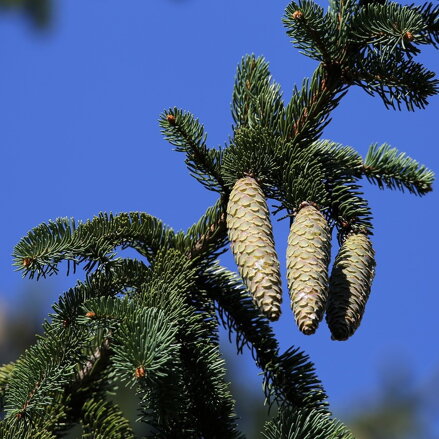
[
  {"x": 92, "y": 369},
  {"x": 216, "y": 231}
]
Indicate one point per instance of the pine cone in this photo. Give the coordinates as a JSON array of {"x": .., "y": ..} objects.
[
  {"x": 308, "y": 255},
  {"x": 251, "y": 240},
  {"x": 350, "y": 284}
]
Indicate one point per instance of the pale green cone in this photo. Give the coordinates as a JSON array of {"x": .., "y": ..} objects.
[
  {"x": 308, "y": 254},
  {"x": 350, "y": 284},
  {"x": 251, "y": 240}
]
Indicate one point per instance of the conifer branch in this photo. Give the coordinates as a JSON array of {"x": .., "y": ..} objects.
[
  {"x": 253, "y": 152},
  {"x": 120, "y": 277},
  {"x": 5, "y": 374},
  {"x": 93, "y": 242},
  {"x": 90, "y": 378},
  {"x": 289, "y": 378},
  {"x": 42, "y": 372},
  {"x": 172, "y": 288},
  {"x": 102, "y": 419},
  {"x": 303, "y": 179},
  {"x": 389, "y": 27},
  {"x": 395, "y": 80},
  {"x": 310, "y": 29},
  {"x": 209, "y": 234},
  {"x": 430, "y": 15},
  {"x": 349, "y": 209},
  {"x": 99, "y": 356},
  {"x": 186, "y": 133},
  {"x": 155, "y": 326},
  {"x": 340, "y": 162},
  {"x": 386, "y": 166},
  {"x": 41, "y": 429},
  {"x": 306, "y": 424},
  {"x": 256, "y": 100},
  {"x": 307, "y": 114}
]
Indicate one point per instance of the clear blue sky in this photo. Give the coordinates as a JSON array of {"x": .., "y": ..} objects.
[{"x": 79, "y": 106}]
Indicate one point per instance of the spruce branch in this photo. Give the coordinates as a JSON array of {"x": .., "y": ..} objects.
[
  {"x": 396, "y": 80},
  {"x": 386, "y": 166},
  {"x": 208, "y": 235},
  {"x": 144, "y": 355},
  {"x": 340, "y": 162},
  {"x": 302, "y": 180},
  {"x": 10, "y": 431},
  {"x": 253, "y": 152},
  {"x": 256, "y": 100},
  {"x": 91, "y": 378},
  {"x": 173, "y": 289},
  {"x": 102, "y": 419},
  {"x": 122, "y": 276},
  {"x": 251, "y": 77},
  {"x": 186, "y": 133},
  {"x": 389, "y": 27},
  {"x": 311, "y": 30},
  {"x": 156, "y": 326},
  {"x": 304, "y": 424},
  {"x": 93, "y": 242},
  {"x": 42, "y": 372},
  {"x": 146, "y": 339},
  {"x": 349, "y": 209},
  {"x": 289, "y": 378},
  {"x": 430, "y": 14},
  {"x": 89, "y": 366},
  {"x": 46, "y": 428},
  {"x": 5, "y": 374},
  {"x": 307, "y": 114}
]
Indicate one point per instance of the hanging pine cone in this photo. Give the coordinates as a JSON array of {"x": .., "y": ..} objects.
[
  {"x": 350, "y": 284},
  {"x": 251, "y": 240},
  {"x": 308, "y": 254}
]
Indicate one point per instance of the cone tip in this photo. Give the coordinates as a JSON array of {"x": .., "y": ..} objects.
[
  {"x": 308, "y": 330},
  {"x": 340, "y": 336},
  {"x": 273, "y": 315}
]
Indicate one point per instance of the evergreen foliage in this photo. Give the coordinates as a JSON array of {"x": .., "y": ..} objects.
[
  {"x": 152, "y": 324},
  {"x": 104, "y": 417},
  {"x": 306, "y": 424},
  {"x": 384, "y": 166}
]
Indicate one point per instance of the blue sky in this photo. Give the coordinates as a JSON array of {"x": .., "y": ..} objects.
[{"x": 79, "y": 135}]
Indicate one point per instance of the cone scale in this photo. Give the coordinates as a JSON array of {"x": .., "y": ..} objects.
[
  {"x": 308, "y": 254},
  {"x": 251, "y": 240},
  {"x": 350, "y": 284}
]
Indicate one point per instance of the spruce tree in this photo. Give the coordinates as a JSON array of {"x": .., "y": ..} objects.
[{"x": 152, "y": 323}]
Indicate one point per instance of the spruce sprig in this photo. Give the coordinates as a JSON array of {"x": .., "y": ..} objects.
[
  {"x": 396, "y": 80},
  {"x": 101, "y": 419},
  {"x": 305, "y": 424},
  {"x": 390, "y": 26},
  {"x": 92, "y": 242},
  {"x": 42, "y": 372},
  {"x": 307, "y": 113},
  {"x": 187, "y": 134},
  {"x": 173, "y": 289},
  {"x": 312, "y": 31},
  {"x": 256, "y": 99},
  {"x": 289, "y": 378},
  {"x": 387, "y": 167},
  {"x": 430, "y": 15}
]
